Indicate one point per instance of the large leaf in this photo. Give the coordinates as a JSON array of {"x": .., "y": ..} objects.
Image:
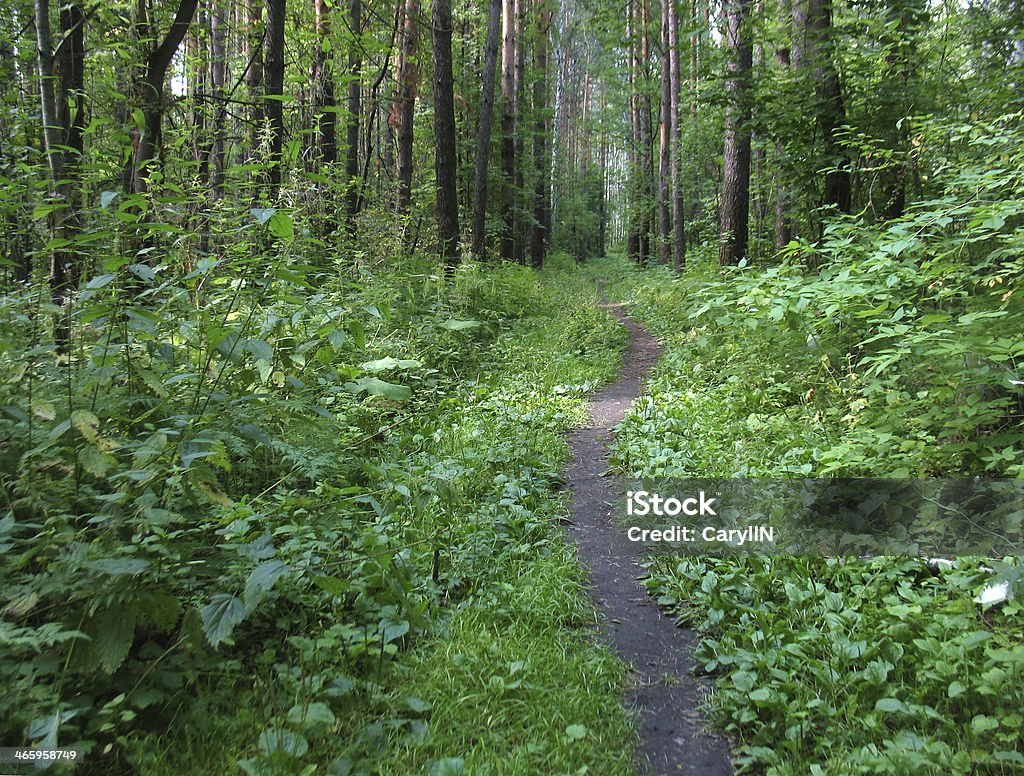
[
  {"x": 457, "y": 325},
  {"x": 113, "y": 631},
  {"x": 386, "y": 363},
  {"x": 376, "y": 387},
  {"x": 261, "y": 580},
  {"x": 220, "y": 617}
]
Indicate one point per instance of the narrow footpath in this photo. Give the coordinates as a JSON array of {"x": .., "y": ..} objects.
[{"x": 673, "y": 735}]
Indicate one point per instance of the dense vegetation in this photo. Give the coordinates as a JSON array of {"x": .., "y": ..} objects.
[{"x": 281, "y": 402}]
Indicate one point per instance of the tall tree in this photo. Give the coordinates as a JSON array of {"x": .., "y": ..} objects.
[
  {"x": 407, "y": 79},
  {"x": 63, "y": 135},
  {"x": 541, "y": 208},
  {"x": 783, "y": 221},
  {"x": 274, "y": 91},
  {"x": 149, "y": 87},
  {"x": 218, "y": 76},
  {"x": 323, "y": 106},
  {"x": 483, "y": 137},
  {"x": 355, "y": 87},
  {"x": 508, "y": 127},
  {"x": 676, "y": 141},
  {"x": 813, "y": 53},
  {"x": 445, "y": 160},
  {"x": 664, "y": 141},
  {"x": 735, "y": 200}
]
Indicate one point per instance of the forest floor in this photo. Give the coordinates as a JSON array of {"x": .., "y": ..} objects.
[{"x": 672, "y": 731}]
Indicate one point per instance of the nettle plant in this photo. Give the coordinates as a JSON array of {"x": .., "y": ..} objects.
[{"x": 165, "y": 474}]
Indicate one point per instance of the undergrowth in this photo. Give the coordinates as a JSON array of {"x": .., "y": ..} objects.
[
  {"x": 260, "y": 515},
  {"x": 884, "y": 350}
]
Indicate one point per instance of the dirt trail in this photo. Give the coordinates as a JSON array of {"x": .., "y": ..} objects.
[{"x": 672, "y": 735}]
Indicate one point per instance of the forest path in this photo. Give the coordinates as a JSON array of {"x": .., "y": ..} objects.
[{"x": 671, "y": 728}]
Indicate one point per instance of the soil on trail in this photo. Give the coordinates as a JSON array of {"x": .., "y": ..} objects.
[{"x": 673, "y": 735}]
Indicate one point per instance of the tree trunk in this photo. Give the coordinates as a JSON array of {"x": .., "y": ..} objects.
[
  {"x": 407, "y": 77},
  {"x": 150, "y": 91},
  {"x": 355, "y": 66},
  {"x": 633, "y": 156},
  {"x": 483, "y": 137},
  {"x": 518, "y": 223},
  {"x": 783, "y": 224},
  {"x": 646, "y": 135},
  {"x": 274, "y": 91},
  {"x": 539, "y": 232},
  {"x": 445, "y": 160},
  {"x": 735, "y": 205},
  {"x": 508, "y": 128},
  {"x": 218, "y": 76},
  {"x": 676, "y": 142},
  {"x": 253, "y": 42},
  {"x": 813, "y": 51},
  {"x": 664, "y": 141},
  {"x": 323, "y": 86}
]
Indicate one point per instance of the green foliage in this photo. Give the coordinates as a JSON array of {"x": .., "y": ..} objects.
[
  {"x": 854, "y": 666},
  {"x": 255, "y": 483}
]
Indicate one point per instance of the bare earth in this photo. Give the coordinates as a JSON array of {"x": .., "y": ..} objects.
[{"x": 673, "y": 738}]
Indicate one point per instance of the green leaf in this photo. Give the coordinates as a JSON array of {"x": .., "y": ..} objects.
[
  {"x": 313, "y": 714},
  {"x": 106, "y": 197},
  {"x": 375, "y": 387},
  {"x": 281, "y": 226},
  {"x": 889, "y": 705},
  {"x": 113, "y": 632},
  {"x": 279, "y": 740},
  {"x": 955, "y": 689},
  {"x": 982, "y": 724},
  {"x": 331, "y": 585},
  {"x": 263, "y": 214},
  {"x": 576, "y": 732},
  {"x": 261, "y": 580},
  {"x": 457, "y": 325},
  {"x": 447, "y": 766},
  {"x": 386, "y": 363},
  {"x": 220, "y": 617}
]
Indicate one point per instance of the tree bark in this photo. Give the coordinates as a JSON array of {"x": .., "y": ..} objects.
[
  {"x": 355, "y": 66},
  {"x": 407, "y": 77},
  {"x": 445, "y": 160},
  {"x": 664, "y": 141},
  {"x": 323, "y": 86},
  {"x": 676, "y": 142},
  {"x": 483, "y": 137},
  {"x": 735, "y": 204},
  {"x": 274, "y": 91},
  {"x": 508, "y": 128},
  {"x": 541, "y": 209},
  {"x": 150, "y": 91}
]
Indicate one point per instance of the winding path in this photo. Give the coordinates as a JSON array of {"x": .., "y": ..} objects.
[{"x": 673, "y": 739}]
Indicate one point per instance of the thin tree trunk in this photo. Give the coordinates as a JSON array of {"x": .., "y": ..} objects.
[
  {"x": 664, "y": 141},
  {"x": 783, "y": 223},
  {"x": 407, "y": 76},
  {"x": 323, "y": 86},
  {"x": 508, "y": 128},
  {"x": 274, "y": 91},
  {"x": 735, "y": 205},
  {"x": 646, "y": 136},
  {"x": 676, "y": 142},
  {"x": 150, "y": 90},
  {"x": 445, "y": 160},
  {"x": 633, "y": 149},
  {"x": 355, "y": 66},
  {"x": 218, "y": 76},
  {"x": 539, "y": 233},
  {"x": 253, "y": 42},
  {"x": 483, "y": 138},
  {"x": 519, "y": 227}
]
